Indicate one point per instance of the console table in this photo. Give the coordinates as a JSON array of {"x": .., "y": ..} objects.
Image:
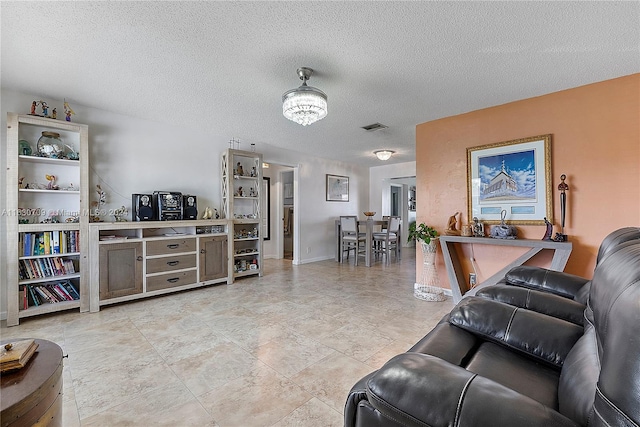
[{"x": 459, "y": 287}]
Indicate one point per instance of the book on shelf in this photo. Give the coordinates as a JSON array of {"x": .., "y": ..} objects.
[
  {"x": 71, "y": 289},
  {"x": 34, "y": 296},
  {"x": 43, "y": 296},
  {"x": 15, "y": 355},
  {"x": 56, "y": 242}
]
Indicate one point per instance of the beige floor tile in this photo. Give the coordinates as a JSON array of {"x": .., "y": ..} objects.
[
  {"x": 331, "y": 379},
  {"x": 260, "y": 398},
  {"x": 215, "y": 367},
  {"x": 313, "y": 413},
  {"x": 170, "y": 405}
]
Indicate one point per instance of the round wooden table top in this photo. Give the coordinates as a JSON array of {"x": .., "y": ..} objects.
[{"x": 28, "y": 385}]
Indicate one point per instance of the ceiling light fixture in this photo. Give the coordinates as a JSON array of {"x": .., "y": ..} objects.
[
  {"x": 304, "y": 105},
  {"x": 384, "y": 154}
]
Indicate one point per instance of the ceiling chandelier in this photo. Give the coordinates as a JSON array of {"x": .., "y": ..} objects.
[
  {"x": 384, "y": 154},
  {"x": 304, "y": 105}
]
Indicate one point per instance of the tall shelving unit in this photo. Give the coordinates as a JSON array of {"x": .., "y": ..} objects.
[
  {"x": 242, "y": 201},
  {"x": 29, "y": 199}
]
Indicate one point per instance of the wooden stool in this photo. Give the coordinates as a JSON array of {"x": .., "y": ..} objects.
[{"x": 32, "y": 396}]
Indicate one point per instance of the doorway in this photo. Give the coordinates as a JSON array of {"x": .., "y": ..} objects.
[{"x": 288, "y": 214}]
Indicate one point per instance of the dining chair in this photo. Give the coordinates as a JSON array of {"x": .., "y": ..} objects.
[
  {"x": 351, "y": 238},
  {"x": 383, "y": 242}
]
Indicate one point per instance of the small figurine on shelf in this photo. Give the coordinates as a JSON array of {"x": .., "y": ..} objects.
[
  {"x": 478, "y": 228},
  {"x": 549, "y": 230},
  {"x": 45, "y": 108},
  {"x": 207, "y": 213},
  {"x": 20, "y": 181},
  {"x": 52, "y": 182},
  {"x": 252, "y": 192},
  {"x": 239, "y": 170},
  {"x": 34, "y": 104},
  {"x": 67, "y": 111},
  {"x": 120, "y": 214},
  {"x": 253, "y": 172},
  {"x": 54, "y": 114},
  {"x": 216, "y": 215},
  {"x": 451, "y": 226}
]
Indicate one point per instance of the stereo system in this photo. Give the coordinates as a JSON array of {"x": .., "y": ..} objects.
[{"x": 163, "y": 206}]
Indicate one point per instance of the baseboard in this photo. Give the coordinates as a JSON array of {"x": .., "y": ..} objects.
[
  {"x": 3, "y": 315},
  {"x": 310, "y": 260}
]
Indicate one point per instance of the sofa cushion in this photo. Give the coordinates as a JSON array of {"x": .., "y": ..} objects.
[
  {"x": 544, "y": 337},
  {"x": 542, "y": 302},
  {"x": 447, "y": 342},
  {"x": 522, "y": 374},
  {"x": 555, "y": 282},
  {"x": 577, "y": 387}
]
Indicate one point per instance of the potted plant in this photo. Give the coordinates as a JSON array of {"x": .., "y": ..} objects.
[{"x": 421, "y": 233}]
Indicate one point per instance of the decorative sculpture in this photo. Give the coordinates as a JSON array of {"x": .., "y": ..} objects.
[
  {"x": 563, "y": 187},
  {"x": 478, "y": 228},
  {"x": 451, "y": 229},
  {"x": 504, "y": 231},
  {"x": 52, "y": 182},
  {"x": 68, "y": 111},
  {"x": 549, "y": 231}
]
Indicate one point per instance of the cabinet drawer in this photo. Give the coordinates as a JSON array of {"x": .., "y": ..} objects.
[
  {"x": 170, "y": 263},
  {"x": 172, "y": 246},
  {"x": 171, "y": 280}
]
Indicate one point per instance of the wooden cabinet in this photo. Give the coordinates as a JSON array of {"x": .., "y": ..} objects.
[
  {"x": 121, "y": 269},
  {"x": 47, "y": 206},
  {"x": 213, "y": 258},
  {"x": 132, "y": 260},
  {"x": 242, "y": 201}
]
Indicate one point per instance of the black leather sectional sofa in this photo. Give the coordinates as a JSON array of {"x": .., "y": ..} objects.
[{"x": 539, "y": 349}]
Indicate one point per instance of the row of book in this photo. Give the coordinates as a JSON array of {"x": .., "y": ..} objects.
[
  {"x": 49, "y": 293},
  {"x": 49, "y": 242},
  {"x": 39, "y": 268}
]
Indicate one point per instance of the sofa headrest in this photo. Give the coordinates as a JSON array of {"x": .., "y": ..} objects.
[
  {"x": 616, "y": 237},
  {"x": 615, "y": 302}
]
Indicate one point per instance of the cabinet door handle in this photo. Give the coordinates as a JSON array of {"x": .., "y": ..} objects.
[
  {"x": 202, "y": 251},
  {"x": 173, "y": 280},
  {"x": 173, "y": 246},
  {"x": 139, "y": 258},
  {"x": 172, "y": 263}
]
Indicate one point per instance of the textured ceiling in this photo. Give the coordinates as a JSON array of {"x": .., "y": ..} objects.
[{"x": 221, "y": 67}]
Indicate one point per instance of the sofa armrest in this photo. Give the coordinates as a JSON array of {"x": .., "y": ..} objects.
[
  {"x": 544, "y": 337},
  {"x": 556, "y": 282},
  {"x": 541, "y": 302},
  {"x": 415, "y": 389}
]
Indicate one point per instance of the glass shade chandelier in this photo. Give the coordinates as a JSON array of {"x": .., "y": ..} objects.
[
  {"x": 304, "y": 105},
  {"x": 383, "y": 154}
]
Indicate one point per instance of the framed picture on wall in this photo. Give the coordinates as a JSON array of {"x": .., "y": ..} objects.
[
  {"x": 337, "y": 188},
  {"x": 512, "y": 176}
]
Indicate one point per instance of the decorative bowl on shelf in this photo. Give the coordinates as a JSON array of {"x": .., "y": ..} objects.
[{"x": 369, "y": 214}]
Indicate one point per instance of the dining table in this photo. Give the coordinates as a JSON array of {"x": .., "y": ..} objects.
[{"x": 368, "y": 225}]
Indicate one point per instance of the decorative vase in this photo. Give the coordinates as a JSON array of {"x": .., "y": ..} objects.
[
  {"x": 50, "y": 145},
  {"x": 429, "y": 287}
]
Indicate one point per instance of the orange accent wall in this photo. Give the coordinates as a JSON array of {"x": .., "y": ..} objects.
[{"x": 595, "y": 141}]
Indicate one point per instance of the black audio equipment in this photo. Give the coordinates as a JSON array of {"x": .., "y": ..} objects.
[
  {"x": 142, "y": 207},
  {"x": 168, "y": 205},
  {"x": 189, "y": 207}
]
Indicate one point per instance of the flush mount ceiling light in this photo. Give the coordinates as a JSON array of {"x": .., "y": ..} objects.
[
  {"x": 384, "y": 154},
  {"x": 304, "y": 105}
]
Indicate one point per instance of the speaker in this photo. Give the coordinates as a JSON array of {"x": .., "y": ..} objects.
[
  {"x": 189, "y": 207},
  {"x": 142, "y": 207}
]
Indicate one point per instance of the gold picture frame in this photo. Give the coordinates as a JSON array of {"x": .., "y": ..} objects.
[{"x": 514, "y": 176}]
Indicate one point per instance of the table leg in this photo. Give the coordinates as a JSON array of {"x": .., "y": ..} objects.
[{"x": 368, "y": 242}]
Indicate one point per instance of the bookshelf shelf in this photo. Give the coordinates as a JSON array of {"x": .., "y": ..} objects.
[
  {"x": 50, "y": 279},
  {"x": 48, "y": 308},
  {"x": 64, "y": 255}
]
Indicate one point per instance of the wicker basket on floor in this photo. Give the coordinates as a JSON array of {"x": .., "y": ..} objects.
[{"x": 428, "y": 289}]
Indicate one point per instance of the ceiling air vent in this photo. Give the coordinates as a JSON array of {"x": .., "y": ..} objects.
[{"x": 374, "y": 127}]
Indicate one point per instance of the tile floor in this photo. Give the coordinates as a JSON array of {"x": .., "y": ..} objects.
[{"x": 280, "y": 350}]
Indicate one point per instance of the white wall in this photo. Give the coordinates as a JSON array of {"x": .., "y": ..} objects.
[{"x": 129, "y": 155}]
